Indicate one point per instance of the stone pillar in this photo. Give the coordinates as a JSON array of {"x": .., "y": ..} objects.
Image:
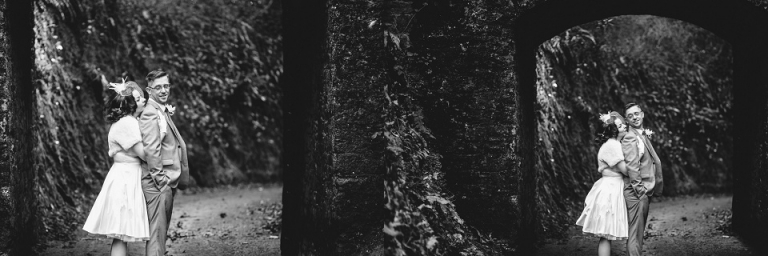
[
  {"x": 304, "y": 38},
  {"x": 750, "y": 160},
  {"x": 18, "y": 213}
]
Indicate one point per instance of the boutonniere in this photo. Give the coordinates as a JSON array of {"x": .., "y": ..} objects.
[
  {"x": 648, "y": 133},
  {"x": 171, "y": 109}
]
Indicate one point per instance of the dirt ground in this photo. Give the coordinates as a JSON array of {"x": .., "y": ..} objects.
[
  {"x": 676, "y": 226},
  {"x": 219, "y": 221},
  {"x": 231, "y": 221}
]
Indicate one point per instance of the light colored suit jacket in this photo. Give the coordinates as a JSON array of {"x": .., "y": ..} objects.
[
  {"x": 166, "y": 157},
  {"x": 643, "y": 170}
]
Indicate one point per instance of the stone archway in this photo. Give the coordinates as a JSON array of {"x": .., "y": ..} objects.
[
  {"x": 336, "y": 69},
  {"x": 737, "y": 22}
]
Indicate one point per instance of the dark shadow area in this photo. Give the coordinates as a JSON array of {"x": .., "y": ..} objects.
[{"x": 305, "y": 25}]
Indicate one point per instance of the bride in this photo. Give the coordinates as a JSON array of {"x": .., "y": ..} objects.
[
  {"x": 120, "y": 211},
  {"x": 605, "y": 212}
]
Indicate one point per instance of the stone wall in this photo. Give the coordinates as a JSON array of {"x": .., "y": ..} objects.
[{"x": 481, "y": 177}]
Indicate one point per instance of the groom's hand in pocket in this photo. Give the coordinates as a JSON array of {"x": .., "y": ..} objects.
[
  {"x": 640, "y": 191},
  {"x": 161, "y": 182}
]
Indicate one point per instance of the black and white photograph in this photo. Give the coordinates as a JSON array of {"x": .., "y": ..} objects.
[{"x": 384, "y": 127}]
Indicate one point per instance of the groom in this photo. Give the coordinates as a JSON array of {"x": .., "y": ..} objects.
[
  {"x": 166, "y": 165},
  {"x": 644, "y": 171}
]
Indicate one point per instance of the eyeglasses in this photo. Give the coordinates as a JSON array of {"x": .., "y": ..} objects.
[{"x": 158, "y": 87}]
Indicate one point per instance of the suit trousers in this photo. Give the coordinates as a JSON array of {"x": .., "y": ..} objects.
[
  {"x": 159, "y": 209},
  {"x": 637, "y": 215}
]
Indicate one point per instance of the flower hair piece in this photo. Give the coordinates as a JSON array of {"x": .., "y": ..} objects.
[
  {"x": 605, "y": 117},
  {"x": 119, "y": 88}
]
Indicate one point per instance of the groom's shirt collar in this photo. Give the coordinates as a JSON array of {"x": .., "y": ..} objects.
[
  {"x": 162, "y": 106},
  {"x": 163, "y": 121}
]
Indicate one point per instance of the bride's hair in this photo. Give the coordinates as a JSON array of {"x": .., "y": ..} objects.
[
  {"x": 608, "y": 128},
  {"x": 120, "y": 106}
]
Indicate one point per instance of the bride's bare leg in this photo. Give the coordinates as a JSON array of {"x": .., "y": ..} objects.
[
  {"x": 604, "y": 247},
  {"x": 119, "y": 248}
]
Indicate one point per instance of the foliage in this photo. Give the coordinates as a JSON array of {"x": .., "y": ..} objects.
[
  {"x": 273, "y": 217},
  {"x": 560, "y": 48},
  {"x": 681, "y": 76},
  {"x": 410, "y": 232},
  {"x": 69, "y": 164},
  {"x": 686, "y": 85},
  {"x": 421, "y": 218},
  {"x": 225, "y": 59},
  {"x": 724, "y": 220}
]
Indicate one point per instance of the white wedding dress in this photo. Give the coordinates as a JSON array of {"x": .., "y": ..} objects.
[
  {"x": 605, "y": 210},
  {"x": 120, "y": 210}
]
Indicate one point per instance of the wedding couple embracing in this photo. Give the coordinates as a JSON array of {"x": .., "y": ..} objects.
[
  {"x": 150, "y": 162},
  {"x": 616, "y": 207}
]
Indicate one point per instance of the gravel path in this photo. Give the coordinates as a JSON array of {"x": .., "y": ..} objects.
[
  {"x": 231, "y": 221},
  {"x": 220, "y": 221},
  {"x": 677, "y": 226}
]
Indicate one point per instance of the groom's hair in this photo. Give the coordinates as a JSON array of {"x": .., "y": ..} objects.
[
  {"x": 629, "y": 105},
  {"x": 155, "y": 74}
]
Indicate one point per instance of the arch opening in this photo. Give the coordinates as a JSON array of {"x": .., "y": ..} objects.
[
  {"x": 681, "y": 76},
  {"x": 734, "y": 21}
]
